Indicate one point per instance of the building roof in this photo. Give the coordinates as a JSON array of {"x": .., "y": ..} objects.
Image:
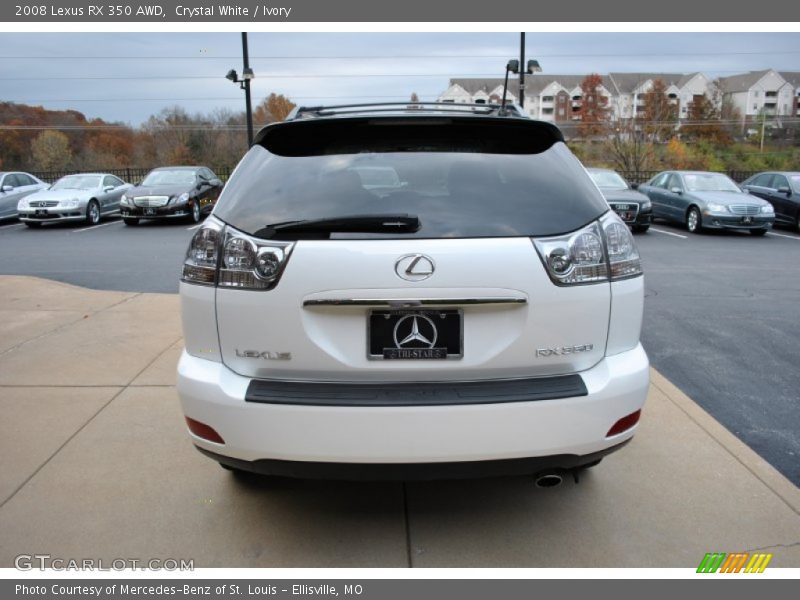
[
  {"x": 793, "y": 77},
  {"x": 486, "y": 84},
  {"x": 626, "y": 83},
  {"x": 742, "y": 82}
]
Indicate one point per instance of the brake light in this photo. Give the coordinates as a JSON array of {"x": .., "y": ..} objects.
[
  {"x": 221, "y": 256},
  {"x": 602, "y": 251}
]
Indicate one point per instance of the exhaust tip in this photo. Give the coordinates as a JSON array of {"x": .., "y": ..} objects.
[{"x": 548, "y": 480}]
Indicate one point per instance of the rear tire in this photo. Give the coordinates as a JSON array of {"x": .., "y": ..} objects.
[
  {"x": 758, "y": 232},
  {"x": 694, "y": 222},
  {"x": 33, "y": 225},
  {"x": 129, "y": 221},
  {"x": 93, "y": 213},
  {"x": 640, "y": 228}
]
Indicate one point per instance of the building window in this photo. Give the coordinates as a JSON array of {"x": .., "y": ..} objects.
[
  {"x": 755, "y": 106},
  {"x": 547, "y": 98},
  {"x": 480, "y": 101},
  {"x": 755, "y": 94},
  {"x": 771, "y": 94},
  {"x": 449, "y": 101},
  {"x": 547, "y": 111}
]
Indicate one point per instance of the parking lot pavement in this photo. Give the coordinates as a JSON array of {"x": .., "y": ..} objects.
[
  {"x": 720, "y": 321},
  {"x": 96, "y": 463}
]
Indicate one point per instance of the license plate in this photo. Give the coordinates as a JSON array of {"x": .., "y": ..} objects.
[
  {"x": 149, "y": 211},
  {"x": 41, "y": 213},
  {"x": 414, "y": 334}
]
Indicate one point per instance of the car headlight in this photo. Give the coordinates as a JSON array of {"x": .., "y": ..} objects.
[
  {"x": 23, "y": 204},
  {"x": 124, "y": 200},
  {"x": 182, "y": 199},
  {"x": 768, "y": 208},
  {"x": 646, "y": 205},
  {"x": 717, "y": 208},
  {"x": 71, "y": 203}
]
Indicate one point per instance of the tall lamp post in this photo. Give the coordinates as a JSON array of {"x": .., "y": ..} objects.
[
  {"x": 513, "y": 67},
  {"x": 244, "y": 84},
  {"x": 521, "y": 73}
]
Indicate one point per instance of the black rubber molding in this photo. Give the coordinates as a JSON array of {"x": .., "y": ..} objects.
[{"x": 415, "y": 394}]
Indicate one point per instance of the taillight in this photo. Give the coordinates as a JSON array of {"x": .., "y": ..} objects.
[
  {"x": 222, "y": 256},
  {"x": 603, "y": 250},
  {"x": 624, "y": 423}
]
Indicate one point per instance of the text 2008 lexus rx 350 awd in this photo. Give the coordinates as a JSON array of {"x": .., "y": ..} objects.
[{"x": 432, "y": 292}]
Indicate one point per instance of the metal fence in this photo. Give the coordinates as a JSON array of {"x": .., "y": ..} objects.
[
  {"x": 134, "y": 174},
  {"x": 128, "y": 174},
  {"x": 643, "y": 176}
]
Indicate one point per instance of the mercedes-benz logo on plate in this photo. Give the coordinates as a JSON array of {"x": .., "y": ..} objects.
[
  {"x": 415, "y": 331},
  {"x": 414, "y": 267}
]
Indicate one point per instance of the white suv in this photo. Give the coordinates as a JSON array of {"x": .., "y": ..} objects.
[{"x": 423, "y": 292}]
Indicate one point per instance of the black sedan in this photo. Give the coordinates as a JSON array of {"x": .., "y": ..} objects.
[
  {"x": 782, "y": 190},
  {"x": 633, "y": 207},
  {"x": 172, "y": 193}
]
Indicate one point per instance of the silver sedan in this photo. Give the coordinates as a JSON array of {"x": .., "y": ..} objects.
[
  {"x": 13, "y": 187},
  {"x": 87, "y": 197}
]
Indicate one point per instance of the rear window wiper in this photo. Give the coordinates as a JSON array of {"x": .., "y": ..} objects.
[{"x": 404, "y": 223}]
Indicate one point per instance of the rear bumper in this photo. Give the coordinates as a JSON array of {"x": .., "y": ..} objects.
[
  {"x": 573, "y": 426},
  {"x": 414, "y": 471}
]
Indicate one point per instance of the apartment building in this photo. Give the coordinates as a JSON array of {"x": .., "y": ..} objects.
[
  {"x": 558, "y": 98},
  {"x": 760, "y": 92}
]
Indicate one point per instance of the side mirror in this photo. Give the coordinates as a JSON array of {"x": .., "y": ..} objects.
[
  {"x": 634, "y": 186},
  {"x": 8, "y": 188},
  {"x": 676, "y": 190},
  {"x": 108, "y": 188},
  {"x": 784, "y": 189},
  {"x": 216, "y": 182}
]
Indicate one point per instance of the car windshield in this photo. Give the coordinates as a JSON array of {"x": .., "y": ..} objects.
[
  {"x": 482, "y": 180},
  {"x": 170, "y": 177},
  {"x": 608, "y": 180},
  {"x": 77, "y": 182},
  {"x": 709, "y": 182},
  {"x": 795, "y": 179}
]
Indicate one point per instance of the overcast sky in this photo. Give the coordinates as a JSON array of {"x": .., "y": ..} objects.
[{"x": 134, "y": 75}]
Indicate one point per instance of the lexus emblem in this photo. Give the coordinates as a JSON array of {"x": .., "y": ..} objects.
[
  {"x": 414, "y": 267},
  {"x": 415, "y": 331}
]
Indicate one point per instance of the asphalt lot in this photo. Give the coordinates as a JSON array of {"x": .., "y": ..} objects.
[{"x": 721, "y": 315}]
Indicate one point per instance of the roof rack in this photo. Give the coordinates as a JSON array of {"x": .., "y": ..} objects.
[{"x": 306, "y": 112}]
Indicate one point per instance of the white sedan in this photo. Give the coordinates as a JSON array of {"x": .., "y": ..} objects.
[{"x": 86, "y": 197}]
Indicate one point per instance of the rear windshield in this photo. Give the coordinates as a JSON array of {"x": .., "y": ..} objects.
[{"x": 460, "y": 184}]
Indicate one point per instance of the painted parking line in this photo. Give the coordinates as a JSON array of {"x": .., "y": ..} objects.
[
  {"x": 12, "y": 225},
  {"x": 96, "y": 226},
  {"x": 783, "y": 235},
  {"x": 677, "y": 235},
  {"x": 194, "y": 227}
]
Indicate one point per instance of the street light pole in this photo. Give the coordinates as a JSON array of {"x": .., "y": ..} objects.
[
  {"x": 248, "y": 103},
  {"x": 522, "y": 71}
]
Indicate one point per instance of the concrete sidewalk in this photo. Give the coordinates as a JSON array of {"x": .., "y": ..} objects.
[{"x": 95, "y": 463}]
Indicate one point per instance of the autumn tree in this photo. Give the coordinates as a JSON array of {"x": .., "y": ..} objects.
[
  {"x": 50, "y": 150},
  {"x": 275, "y": 107},
  {"x": 705, "y": 122},
  {"x": 660, "y": 113},
  {"x": 628, "y": 147},
  {"x": 594, "y": 110}
]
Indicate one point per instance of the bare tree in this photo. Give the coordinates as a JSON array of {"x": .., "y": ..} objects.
[{"x": 660, "y": 113}]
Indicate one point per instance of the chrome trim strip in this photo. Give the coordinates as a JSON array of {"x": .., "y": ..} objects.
[{"x": 414, "y": 302}]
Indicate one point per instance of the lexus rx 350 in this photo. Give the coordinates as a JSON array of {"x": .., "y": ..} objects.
[{"x": 424, "y": 292}]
